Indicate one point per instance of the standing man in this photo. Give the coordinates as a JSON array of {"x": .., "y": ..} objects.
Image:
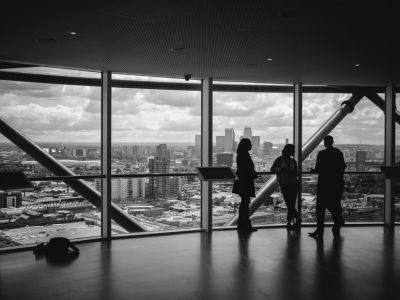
[{"x": 330, "y": 168}]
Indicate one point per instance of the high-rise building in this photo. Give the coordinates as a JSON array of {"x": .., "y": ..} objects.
[
  {"x": 125, "y": 190},
  {"x": 256, "y": 141},
  {"x": 219, "y": 144},
  {"x": 286, "y": 141},
  {"x": 197, "y": 146},
  {"x": 229, "y": 141},
  {"x": 267, "y": 148},
  {"x": 162, "y": 151},
  {"x": 225, "y": 159},
  {"x": 79, "y": 152},
  {"x": 360, "y": 160},
  {"x": 247, "y": 133},
  {"x": 159, "y": 186},
  {"x": 10, "y": 199}
]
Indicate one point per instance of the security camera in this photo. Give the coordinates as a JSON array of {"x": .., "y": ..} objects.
[{"x": 187, "y": 76}]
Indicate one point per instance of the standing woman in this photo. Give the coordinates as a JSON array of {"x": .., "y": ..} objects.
[
  {"x": 285, "y": 168},
  {"x": 246, "y": 174}
]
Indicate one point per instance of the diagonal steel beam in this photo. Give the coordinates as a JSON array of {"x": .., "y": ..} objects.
[
  {"x": 378, "y": 101},
  {"x": 269, "y": 187},
  {"x": 58, "y": 169}
]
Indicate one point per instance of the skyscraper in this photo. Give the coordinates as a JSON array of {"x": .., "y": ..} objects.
[
  {"x": 219, "y": 144},
  {"x": 256, "y": 141},
  {"x": 229, "y": 142},
  {"x": 159, "y": 186},
  {"x": 267, "y": 148},
  {"x": 247, "y": 133}
]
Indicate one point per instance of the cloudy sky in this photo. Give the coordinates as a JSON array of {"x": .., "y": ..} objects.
[{"x": 61, "y": 113}]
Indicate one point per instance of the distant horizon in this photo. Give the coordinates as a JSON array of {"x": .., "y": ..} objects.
[{"x": 157, "y": 143}]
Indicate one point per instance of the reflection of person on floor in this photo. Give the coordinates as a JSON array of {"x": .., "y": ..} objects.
[
  {"x": 286, "y": 169},
  {"x": 246, "y": 174},
  {"x": 330, "y": 168}
]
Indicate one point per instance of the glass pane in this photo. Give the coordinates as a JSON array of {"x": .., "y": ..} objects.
[
  {"x": 51, "y": 209},
  {"x": 360, "y": 135},
  {"x": 267, "y": 120},
  {"x": 154, "y": 130},
  {"x": 63, "y": 120},
  {"x": 159, "y": 203},
  {"x": 54, "y": 71},
  {"x": 362, "y": 201}
]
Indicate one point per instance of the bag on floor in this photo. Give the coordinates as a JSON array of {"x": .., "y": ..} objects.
[{"x": 57, "y": 247}]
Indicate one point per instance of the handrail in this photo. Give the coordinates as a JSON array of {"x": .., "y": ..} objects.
[{"x": 144, "y": 175}]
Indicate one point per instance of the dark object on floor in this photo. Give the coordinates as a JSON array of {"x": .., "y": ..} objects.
[{"x": 57, "y": 247}]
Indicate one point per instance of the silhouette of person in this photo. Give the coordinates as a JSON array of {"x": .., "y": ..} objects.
[
  {"x": 246, "y": 174},
  {"x": 286, "y": 169},
  {"x": 330, "y": 168}
]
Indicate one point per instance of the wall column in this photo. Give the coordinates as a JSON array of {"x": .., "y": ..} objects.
[
  {"x": 106, "y": 154},
  {"x": 297, "y": 134},
  {"x": 390, "y": 100},
  {"x": 206, "y": 152}
]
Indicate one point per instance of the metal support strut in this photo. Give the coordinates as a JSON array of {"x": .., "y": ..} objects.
[
  {"x": 79, "y": 185},
  {"x": 269, "y": 187}
]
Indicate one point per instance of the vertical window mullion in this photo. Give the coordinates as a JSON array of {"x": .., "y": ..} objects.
[
  {"x": 297, "y": 135},
  {"x": 106, "y": 154},
  {"x": 390, "y": 99},
  {"x": 206, "y": 152}
]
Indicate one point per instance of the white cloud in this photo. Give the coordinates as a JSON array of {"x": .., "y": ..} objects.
[{"x": 60, "y": 112}]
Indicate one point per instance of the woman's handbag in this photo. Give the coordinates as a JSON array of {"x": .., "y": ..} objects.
[{"x": 236, "y": 187}]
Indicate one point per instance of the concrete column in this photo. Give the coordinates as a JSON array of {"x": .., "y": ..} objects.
[{"x": 206, "y": 152}]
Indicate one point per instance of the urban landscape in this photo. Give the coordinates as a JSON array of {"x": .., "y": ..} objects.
[{"x": 169, "y": 202}]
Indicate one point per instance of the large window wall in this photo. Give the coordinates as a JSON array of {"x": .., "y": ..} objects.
[
  {"x": 267, "y": 120},
  {"x": 63, "y": 121},
  {"x": 360, "y": 136},
  {"x": 154, "y": 132},
  {"x": 155, "y": 146}
]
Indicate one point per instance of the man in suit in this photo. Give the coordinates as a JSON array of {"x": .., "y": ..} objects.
[{"x": 330, "y": 168}]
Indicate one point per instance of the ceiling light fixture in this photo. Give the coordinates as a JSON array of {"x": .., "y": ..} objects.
[
  {"x": 72, "y": 33},
  {"x": 357, "y": 65},
  {"x": 269, "y": 59}
]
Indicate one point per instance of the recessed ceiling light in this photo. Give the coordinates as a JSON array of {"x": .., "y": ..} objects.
[
  {"x": 176, "y": 49},
  {"x": 357, "y": 65},
  {"x": 269, "y": 59},
  {"x": 72, "y": 33}
]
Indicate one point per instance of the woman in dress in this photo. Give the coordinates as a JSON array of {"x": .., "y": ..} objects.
[
  {"x": 246, "y": 174},
  {"x": 286, "y": 169}
]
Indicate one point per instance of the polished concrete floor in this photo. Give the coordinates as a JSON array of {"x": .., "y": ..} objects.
[{"x": 269, "y": 264}]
